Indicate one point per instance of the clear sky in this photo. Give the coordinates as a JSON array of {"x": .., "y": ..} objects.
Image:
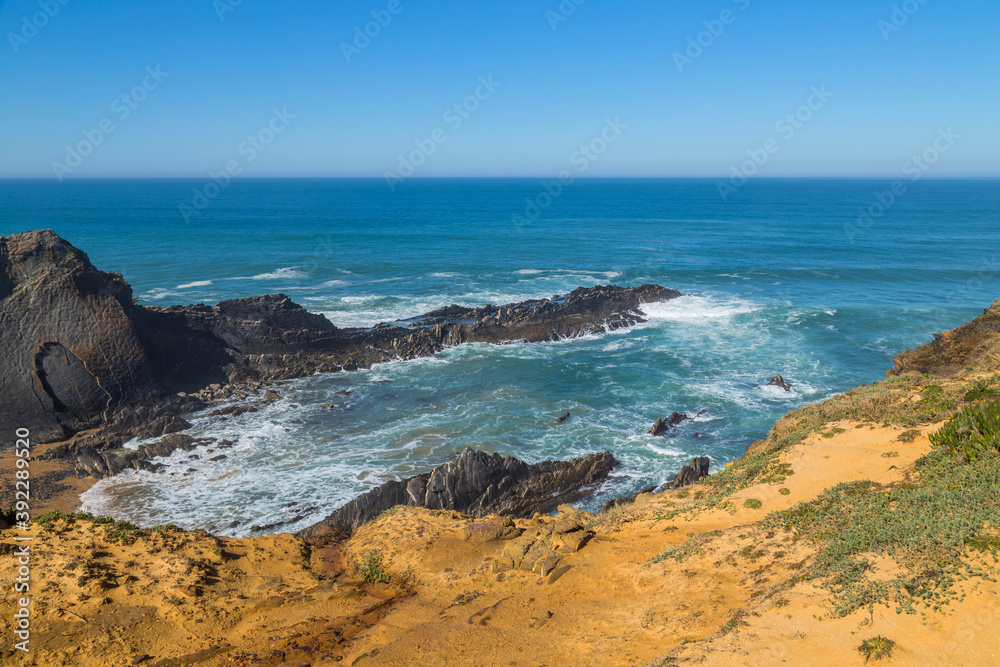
[{"x": 559, "y": 72}]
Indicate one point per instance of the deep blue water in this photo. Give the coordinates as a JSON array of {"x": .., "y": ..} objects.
[{"x": 776, "y": 284}]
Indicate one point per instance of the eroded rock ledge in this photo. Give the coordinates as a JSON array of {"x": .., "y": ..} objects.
[
  {"x": 476, "y": 484},
  {"x": 82, "y": 355}
]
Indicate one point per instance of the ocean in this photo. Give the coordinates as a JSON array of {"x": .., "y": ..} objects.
[{"x": 822, "y": 281}]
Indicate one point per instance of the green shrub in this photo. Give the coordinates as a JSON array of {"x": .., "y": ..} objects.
[
  {"x": 753, "y": 503},
  {"x": 972, "y": 431},
  {"x": 876, "y": 648},
  {"x": 371, "y": 570}
]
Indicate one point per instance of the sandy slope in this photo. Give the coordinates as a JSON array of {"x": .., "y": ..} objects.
[{"x": 189, "y": 598}]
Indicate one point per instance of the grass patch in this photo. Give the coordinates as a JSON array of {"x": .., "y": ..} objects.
[
  {"x": 925, "y": 527},
  {"x": 691, "y": 547},
  {"x": 784, "y": 492},
  {"x": 371, "y": 569},
  {"x": 120, "y": 531},
  {"x": 876, "y": 648},
  {"x": 909, "y": 436},
  {"x": 753, "y": 503},
  {"x": 983, "y": 390}
]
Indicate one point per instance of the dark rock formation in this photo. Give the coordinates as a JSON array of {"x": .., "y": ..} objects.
[
  {"x": 563, "y": 417},
  {"x": 71, "y": 354},
  {"x": 80, "y": 353},
  {"x": 778, "y": 381},
  {"x": 476, "y": 484},
  {"x": 662, "y": 426},
  {"x": 689, "y": 474}
]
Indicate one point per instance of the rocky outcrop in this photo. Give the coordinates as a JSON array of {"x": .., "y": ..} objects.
[
  {"x": 81, "y": 353},
  {"x": 662, "y": 426},
  {"x": 94, "y": 461},
  {"x": 689, "y": 474},
  {"x": 778, "y": 381},
  {"x": 972, "y": 346},
  {"x": 477, "y": 484},
  {"x": 71, "y": 355}
]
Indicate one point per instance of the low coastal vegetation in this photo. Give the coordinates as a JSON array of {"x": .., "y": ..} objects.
[
  {"x": 904, "y": 545},
  {"x": 876, "y": 648}
]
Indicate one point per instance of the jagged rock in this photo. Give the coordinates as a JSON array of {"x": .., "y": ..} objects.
[
  {"x": 561, "y": 418},
  {"x": 344, "y": 392},
  {"x": 478, "y": 484},
  {"x": 492, "y": 529},
  {"x": 662, "y": 426},
  {"x": 691, "y": 473},
  {"x": 778, "y": 381},
  {"x": 232, "y": 411}
]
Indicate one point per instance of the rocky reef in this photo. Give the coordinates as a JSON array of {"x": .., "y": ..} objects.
[
  {"x": 85, "y": 361},
  {"x": 476, "y": 484}
]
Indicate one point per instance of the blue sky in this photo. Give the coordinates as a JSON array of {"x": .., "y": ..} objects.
[{"x": 229, "y": 66}]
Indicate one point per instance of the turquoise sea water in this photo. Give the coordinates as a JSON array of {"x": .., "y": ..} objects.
[{"x": 775, "y": 284}]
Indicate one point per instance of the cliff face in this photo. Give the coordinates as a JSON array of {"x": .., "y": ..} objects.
[{"x": 70, "y": 350}]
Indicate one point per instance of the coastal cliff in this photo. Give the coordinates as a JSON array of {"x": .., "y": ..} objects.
[{"x": 863, "y": 526}]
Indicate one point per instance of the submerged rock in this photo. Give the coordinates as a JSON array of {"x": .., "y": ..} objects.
[
  {"x": 662, "y": 426},
  {"x": 477, "y": 484},
  {"x": 778, "y": 381}
]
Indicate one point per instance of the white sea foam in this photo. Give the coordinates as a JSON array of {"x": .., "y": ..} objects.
[
  {"x": 334, "y": 283},
  {"x": 158, "y": 293},
  {"x": 284, "y": 273},
  {"x": 692, "y": 309},
  {"x": 197, "y": 283}
]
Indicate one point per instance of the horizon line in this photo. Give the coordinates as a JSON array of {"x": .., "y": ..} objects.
[{"x": 37, "y": 179}]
